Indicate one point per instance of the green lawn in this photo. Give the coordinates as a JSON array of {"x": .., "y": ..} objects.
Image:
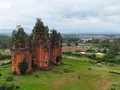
[{"x": 72, "y": 75}]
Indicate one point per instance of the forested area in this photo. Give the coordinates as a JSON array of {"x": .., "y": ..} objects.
[{"x": 5, "y": 41}]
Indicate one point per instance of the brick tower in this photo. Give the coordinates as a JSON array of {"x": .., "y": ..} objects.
[
  {"x": 56, "y": 47},
  {"x": 20, "y": 51},
  {"x": 41, "y": 45}
]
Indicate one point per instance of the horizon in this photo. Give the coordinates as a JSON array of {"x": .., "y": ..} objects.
[{"x": 9, "y": 32}]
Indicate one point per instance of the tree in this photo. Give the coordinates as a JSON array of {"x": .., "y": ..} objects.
[
  {"x": 14, "y": 32},
  {"x": 40, "y": 32},
  {"x": 68, "y": 44},
  {"x": 114, "y": 49},
  {"x": 5, "y": 41},
  {"x": 76, "y": 43},
  {"x": 55, "y": 35},
  {"x": 105, "y": 44},
  {"x": 19, "y": 38},
  {"x": 39, "y": 26}
]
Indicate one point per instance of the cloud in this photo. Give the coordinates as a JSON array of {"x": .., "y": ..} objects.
[{"x": 64, "y": 15}]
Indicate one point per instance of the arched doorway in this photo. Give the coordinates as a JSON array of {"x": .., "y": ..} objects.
[{"x": 58, "y": 59}]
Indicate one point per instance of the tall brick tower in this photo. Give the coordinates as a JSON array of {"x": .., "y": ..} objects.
[
  {"x": 55, "y": 47},
  {"x": 41, "y": 45},
  {"x": 20, "y": 52}
]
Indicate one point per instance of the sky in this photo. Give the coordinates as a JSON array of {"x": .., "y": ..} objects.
[{"x": 66, "y": 16}]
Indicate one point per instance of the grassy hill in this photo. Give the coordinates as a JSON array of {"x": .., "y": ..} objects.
[{"x": 72, "y": 75}]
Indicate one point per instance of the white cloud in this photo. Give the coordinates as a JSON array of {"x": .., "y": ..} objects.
[{"x": 72, "y": 15}]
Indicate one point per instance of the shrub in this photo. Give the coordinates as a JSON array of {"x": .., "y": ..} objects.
[
  {"x": 89, "y": 68},
  {"x": 57, "y": 72},
  {"x": 93, "y": 56},
  {"x": 77, "y": 51},
  {"x": 23, "y": 66},
  {"x": 67, "y": 70},
  {"x": 5, "y": 86},
  {"x": 98, "y": 61},
  {"x": 9, "y": 78},
  {"x": 113, "y": 89},
  {"x": 10, "y": 87},
  {"x": 37, "y": 76},
  {"x": 78, "y": 76},
  {"x": 3, "y": 57},
  {"x": 110, "y": 58},
  {"x": 17, "y": 87},
  {"x": 0, "y": 74}
]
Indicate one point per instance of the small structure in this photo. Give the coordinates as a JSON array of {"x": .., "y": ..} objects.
[
  {"x": 41, "y": 47},
  {"x": 37, "y": 50}
]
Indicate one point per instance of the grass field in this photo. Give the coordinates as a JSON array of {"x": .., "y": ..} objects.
[{"x": 72, "y": 75}]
